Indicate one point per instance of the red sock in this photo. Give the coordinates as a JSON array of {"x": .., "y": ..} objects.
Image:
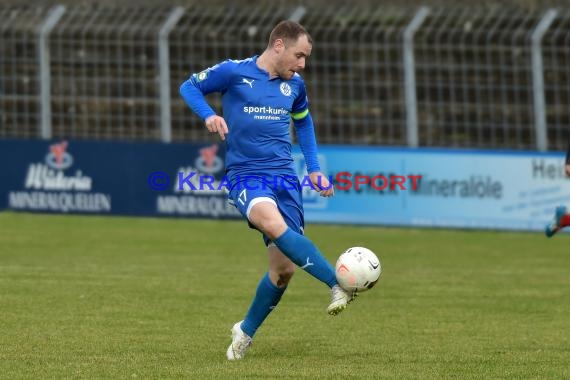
[{"x": 565, "y": 220}]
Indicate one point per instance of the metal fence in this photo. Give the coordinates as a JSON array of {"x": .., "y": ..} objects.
[{"x": 474, "y": 77}]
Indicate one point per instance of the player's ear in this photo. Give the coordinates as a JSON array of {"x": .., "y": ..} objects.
[{"x": 279, "y": 45}]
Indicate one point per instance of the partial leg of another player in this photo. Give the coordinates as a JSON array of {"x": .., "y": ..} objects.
[{"x": 561, "y": 219}]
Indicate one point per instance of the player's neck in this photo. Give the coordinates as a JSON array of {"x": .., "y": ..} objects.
[{"x": 264, "y": 63}]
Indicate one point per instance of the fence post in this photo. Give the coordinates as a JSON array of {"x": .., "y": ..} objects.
[
  {"x": 410, "y": 76},
  {"x": 298, "y": 14},
  {"x": 44, "y": 63},
  {"x": 164, "y": 73},
  {"x": 538, "y": 79}
]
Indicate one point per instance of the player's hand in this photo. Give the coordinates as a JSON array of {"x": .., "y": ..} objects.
[
  {"x": 217, "y": 124},
  {"x": 322, "y": 184},
  {"x": 567, "y": 170}
]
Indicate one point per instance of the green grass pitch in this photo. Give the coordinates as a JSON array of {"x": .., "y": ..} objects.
[{"x": 111, "y": 297}]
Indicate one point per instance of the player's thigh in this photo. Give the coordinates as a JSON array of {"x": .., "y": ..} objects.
[
  {"x": 265, "y": 216},
  {"x": 257, "y": 202},
  {"x": 286, "y": 212}
]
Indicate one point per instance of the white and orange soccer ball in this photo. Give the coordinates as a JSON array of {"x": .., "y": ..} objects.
[{"x": 358, "y": 268}]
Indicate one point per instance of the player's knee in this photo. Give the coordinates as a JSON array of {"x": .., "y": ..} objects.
[
  {"x": 285, "y": 274},
  {"x": 273, "y": 228}
]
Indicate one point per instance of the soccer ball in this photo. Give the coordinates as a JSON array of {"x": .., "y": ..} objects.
[{"x": 357, "y": 268}]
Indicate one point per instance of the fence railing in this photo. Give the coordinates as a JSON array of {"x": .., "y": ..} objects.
[{"x": 487, "y": 77}]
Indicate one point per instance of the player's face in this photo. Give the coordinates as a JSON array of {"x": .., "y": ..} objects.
[{"x": 293, "y": 56}]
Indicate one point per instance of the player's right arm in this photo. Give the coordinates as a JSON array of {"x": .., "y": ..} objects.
[
  {"x": 195, "y": 88},
  {"x": 217, "y": 124}
]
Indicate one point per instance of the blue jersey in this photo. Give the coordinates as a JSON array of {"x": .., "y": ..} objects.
[{"x": 258, "y": 112}]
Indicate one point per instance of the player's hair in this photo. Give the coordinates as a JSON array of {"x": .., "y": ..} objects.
[{"x": 288, "y": 31}]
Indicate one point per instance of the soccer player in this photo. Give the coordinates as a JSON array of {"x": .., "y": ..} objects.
[
  {"x": 561, "y": 215},
  {"x": 260, "y": 96}
]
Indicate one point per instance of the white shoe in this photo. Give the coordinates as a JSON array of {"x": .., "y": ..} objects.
[
  {"x": 240, "y": 343},
  {"x": 339, "y": 299}
]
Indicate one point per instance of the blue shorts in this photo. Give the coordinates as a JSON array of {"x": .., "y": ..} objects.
[{"x": 283, "y": 191}]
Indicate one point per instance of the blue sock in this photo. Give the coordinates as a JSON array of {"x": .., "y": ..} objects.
[
  {"x": 265, "y": 300},
  {"x": 306, "y": 255}
]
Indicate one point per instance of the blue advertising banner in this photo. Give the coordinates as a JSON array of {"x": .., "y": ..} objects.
[
  {"x": 382, "y": 186},
  {"x": 110, "y": 178},
  {"x": 458, "y": 188}
]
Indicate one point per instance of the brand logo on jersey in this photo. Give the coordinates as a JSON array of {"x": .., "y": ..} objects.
[
  {"x": 201, "y": 75},
  {"x": 250, "y": 82},
  {"x": 266, "y": 112},
  {"x": 285, "y": 89}
]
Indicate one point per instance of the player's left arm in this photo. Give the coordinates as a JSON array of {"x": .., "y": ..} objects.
[{"x": 308, "y": 142}]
